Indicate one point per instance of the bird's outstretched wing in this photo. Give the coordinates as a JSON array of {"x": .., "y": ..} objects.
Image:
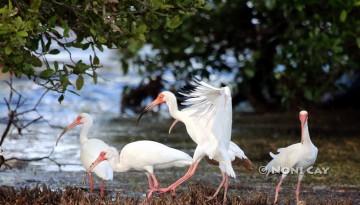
[{"x": 212, "y": 106}]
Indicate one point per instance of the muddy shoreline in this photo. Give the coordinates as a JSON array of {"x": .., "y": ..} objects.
[{"x": 129, "y": 188}]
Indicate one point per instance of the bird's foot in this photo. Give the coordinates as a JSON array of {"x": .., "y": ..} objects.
[
  {"x": 150, "y": 193},
  {"x": 165, "y": 190},
  {"x": 209, "y": 198}
]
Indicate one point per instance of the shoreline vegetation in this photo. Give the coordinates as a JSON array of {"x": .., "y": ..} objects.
[{"x": 194, "y": 194}]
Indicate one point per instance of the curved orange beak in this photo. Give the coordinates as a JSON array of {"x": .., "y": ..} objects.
[
  {"x": 173, "y": 125},
  {"x": 76, "y": 122},
  {"x": 159, "y": 100},
  {"x": 101, "y": 157}
]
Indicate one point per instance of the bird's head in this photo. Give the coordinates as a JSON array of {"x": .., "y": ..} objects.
[
  {"x": 303, "y": 116},
  {"x": 82, "y": 118},
  {"x": 1, "y": 151},
  {"x": 102, "y": 157},
  {"x": 163, "y": 97}
]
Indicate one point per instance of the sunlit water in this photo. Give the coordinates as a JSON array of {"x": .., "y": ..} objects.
[{"x": 101, "y": 100}]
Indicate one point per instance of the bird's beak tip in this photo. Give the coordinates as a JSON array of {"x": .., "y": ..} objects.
[{"x": 62, "y": 133}]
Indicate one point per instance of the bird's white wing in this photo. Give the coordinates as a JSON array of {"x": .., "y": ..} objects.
[
  {"x": 235, "y": 151},
  {"x": 144, "y": 153},
  {"x": 213, "y": 108}
]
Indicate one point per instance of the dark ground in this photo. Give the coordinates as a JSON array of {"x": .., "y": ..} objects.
[{"x": 195, "y": 194}]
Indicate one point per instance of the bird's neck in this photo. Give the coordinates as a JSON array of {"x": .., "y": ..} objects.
[
  {"x": 84, "y": 132},
  {"x": 173, "y": 109},
  {"x": 305, "y": 136}
]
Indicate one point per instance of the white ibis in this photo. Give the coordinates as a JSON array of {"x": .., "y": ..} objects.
[
  {"x": 298, "y": 156},
  {"x": 90, "y": 150},
  {"x": 234, "y": 152},
  {"x": 208, "y": 121},
  {"x": 145, "y": 156}
]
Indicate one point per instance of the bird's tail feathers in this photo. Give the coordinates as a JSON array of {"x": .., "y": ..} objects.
[
  {"x": 272, "y": 167},
  {"x": 227, "y": 168},
  {"x": 272, "y": 155}
]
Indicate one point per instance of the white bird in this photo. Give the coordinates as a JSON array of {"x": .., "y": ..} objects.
[
  {"x": 90, "y": 150},
  {"x": 145, "y": 156},
  {"x": 208, "y": 121},
  {"x": 299, "y": 156},
  {"x": 234, "y": 152}
]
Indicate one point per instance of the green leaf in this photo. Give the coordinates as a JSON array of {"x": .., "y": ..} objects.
[
  {"x": 343, "y": 16},
  {"x": 22, "y": 34},
  {"x": 79, "y": 82},
  {"x": 102, "y": 39},
  {"x": 54, "y": 52},
  {"x": 47, "y": 46},
  {"x": 8, "y": 50},
  {"x": 56, "y": 65},
  {"x": 124, "y": 66},
  {"x": 35, "y": 61},
  {"x": 96, "y": 61},
  {"x": 142, "y": 28},
  {"x": 270, "y": 4},
  {"x": 249, "y": 72},
  {"x": 66, "y": 30},
  {"x": 61, "y": 98},
  {"x": 35, "y": 4},
  {"x": 358, "y": 42},
  {"x": 156, "y": 4},
  {"x": 45, "y": 74},
  {"x": 173, "y": 22}
]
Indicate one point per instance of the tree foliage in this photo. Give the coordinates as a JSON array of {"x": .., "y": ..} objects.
[
  {"x": 32, "y": 30},
  {"x": 281, "y": 52}
]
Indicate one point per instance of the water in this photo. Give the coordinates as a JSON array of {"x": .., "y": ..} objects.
[{"x": 101, "y": 100}]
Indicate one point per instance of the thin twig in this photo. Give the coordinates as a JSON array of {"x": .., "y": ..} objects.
[
  {"x": 36, "y": 159},
  {"x": 8, "y": 125},
  {"x": 32, "y": 121}
]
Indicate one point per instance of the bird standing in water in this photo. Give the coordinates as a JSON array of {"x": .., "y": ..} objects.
[{"x": 298, "y": 156}]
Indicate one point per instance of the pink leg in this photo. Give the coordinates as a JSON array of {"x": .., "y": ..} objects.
[
  {"x": 298, "y": 188},
  {"x": 226, "y": 186},
  {"x": 278, "y": 188},
  {"x": 219, "y": 187},
  {"x": 91, "y": 182},
  {"x": 155, "y": 181},
  {"x": 102, "y": 189},
  {"x": 189, "y": 174},
  {"x": 151, "y": 183},
  {"x": 154, "y": 186}
]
